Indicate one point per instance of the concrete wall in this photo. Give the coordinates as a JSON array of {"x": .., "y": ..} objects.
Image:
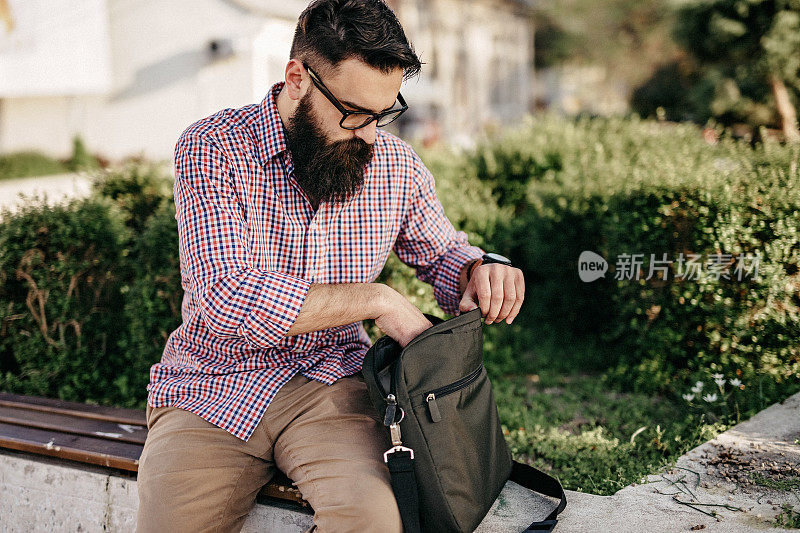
[{"x": 44, "y": 494}]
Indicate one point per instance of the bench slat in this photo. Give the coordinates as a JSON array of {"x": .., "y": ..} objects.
[
  {"x": 280, "y": 486},
  {"x": 96, "y": 412},
  {"x": 23, "y": 416},
  {"x": 104, "y": 436},
  {"x": 97, "y": 451}
]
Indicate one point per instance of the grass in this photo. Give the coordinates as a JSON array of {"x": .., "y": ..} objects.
[
  {"x": 593, "y": 439},
  {"x": 788, "y": 518},
  {"x": 31, "y": 163},
  {"x": 25, "y": 164},
  {"x": 778, "y": 484},
  {"x": 559, "y": 415}
]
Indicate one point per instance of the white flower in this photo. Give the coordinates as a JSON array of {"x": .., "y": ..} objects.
[
  {"x": 697, "y": 387},
  {"x": 688, "y": 397},
  {"x": 716, "y": 376},
  {"x": 735, "y": 382},
  {"x": 710, "y": 397},
  {"x": 719, "y": 381}
]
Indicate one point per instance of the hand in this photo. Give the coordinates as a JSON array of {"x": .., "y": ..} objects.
[
  {"x": 497, "y": 289},
  {"x": 400, "y": 319}
]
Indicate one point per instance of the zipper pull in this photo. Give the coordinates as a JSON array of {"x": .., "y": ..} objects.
[
  {"x": 433, "y": 409},
  {"x": 391, "y": 409}
]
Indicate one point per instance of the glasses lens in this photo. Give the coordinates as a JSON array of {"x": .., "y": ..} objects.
[
  {"x": 356, "y": 120},
  {"x": 386, "y": 119}
]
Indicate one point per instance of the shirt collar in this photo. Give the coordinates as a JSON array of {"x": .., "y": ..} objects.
[{"x": 272, "y": 136}]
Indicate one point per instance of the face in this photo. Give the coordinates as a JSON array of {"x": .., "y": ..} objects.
[{"x": 329, "y": 160}]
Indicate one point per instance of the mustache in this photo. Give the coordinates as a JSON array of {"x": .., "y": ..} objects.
[{"x": 348, "y": 152}]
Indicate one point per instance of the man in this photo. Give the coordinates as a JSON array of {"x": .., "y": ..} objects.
[{"x": 287, "y": 211}]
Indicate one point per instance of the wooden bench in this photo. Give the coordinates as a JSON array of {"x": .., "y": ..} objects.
[{"x": 105, "y": 436}]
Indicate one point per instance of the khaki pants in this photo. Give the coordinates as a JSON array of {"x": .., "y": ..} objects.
[{"x": 195, "y": 476}]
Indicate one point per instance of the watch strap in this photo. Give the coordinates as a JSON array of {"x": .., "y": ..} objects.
[
  {"x": 486, "y": 259},
  {"x": 470, "y": 266}
]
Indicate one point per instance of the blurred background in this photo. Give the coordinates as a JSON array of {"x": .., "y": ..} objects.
[
  {"x": 551, "y": 127},
  {"x": 128, "y": 76}
]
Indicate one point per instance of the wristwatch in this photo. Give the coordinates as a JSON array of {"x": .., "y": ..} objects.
[{"x": 490, "y": 257}]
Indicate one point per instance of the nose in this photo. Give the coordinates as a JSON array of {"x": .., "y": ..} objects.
[{"x": 367, "y": 133}]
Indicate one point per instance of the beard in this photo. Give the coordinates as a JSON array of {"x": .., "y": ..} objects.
[{"x": 327, "y": 172}]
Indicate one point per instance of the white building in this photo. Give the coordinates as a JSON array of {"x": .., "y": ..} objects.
[
  {"x": 129, "y": 75},
  {"x": 479, "y": 63}
]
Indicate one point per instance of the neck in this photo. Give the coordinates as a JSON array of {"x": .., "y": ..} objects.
[{"x": 284, "y": 104}]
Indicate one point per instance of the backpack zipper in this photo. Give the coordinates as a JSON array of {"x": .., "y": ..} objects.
[
  {"x": 430, "y": 398},
  {"x": 389, "y": 397}
]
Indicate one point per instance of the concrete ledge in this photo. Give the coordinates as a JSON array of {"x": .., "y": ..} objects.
[
  {"x": 44, "y": 494},
  {"x": 716, "y": 472}
]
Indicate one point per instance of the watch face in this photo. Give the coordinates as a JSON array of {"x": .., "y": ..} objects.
[{"x": 497, "y": 257}]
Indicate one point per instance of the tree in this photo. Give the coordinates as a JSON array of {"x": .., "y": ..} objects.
[
  {"x": 627, "y": 37},
  {"x": 751, "y": 51}
]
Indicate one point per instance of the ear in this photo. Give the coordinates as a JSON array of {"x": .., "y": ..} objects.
[{"x": 297, "y": 79}]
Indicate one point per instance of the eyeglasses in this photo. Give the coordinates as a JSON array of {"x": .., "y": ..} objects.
[{"x": 353, "y": 120}]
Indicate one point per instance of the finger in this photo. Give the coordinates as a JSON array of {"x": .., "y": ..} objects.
[
  {"x": 496, "y": 297},
  {"x": 509, "y": 296},
  {"x": 519, "y": 287},
  {"x": 482, "y": 290},
  {"x": 468, "y": 300}
]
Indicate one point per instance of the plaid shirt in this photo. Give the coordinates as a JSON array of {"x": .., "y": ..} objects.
[{"x": 251, "y": 245}]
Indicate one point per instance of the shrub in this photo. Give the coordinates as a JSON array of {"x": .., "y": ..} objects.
[
  {"x": 60, "y": 300},
  {"x": 90, "y": 290},
  {"x": 138, "y": 189},
  {"x": 540, "y": 194},
  {"x": 153, "y": 296},
  {"x": 625, "y": 186}
]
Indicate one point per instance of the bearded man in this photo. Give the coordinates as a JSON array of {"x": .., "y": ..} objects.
[{"x": 287, "y": 211}]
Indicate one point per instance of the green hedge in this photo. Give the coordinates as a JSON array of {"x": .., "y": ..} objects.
[
  {"x": 31, "y": 163},
  {"x": 91, "y": 290},
  {"x": 617, "y": 186},
  {"x": 61, "y": 270}
]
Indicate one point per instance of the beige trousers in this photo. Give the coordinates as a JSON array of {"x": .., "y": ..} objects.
[{"x": 194, "y": 476}]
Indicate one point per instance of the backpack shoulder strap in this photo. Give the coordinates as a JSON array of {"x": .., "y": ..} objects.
[
  {"x": 538, "y": 481},
  {"x": 404, "y": 485}
]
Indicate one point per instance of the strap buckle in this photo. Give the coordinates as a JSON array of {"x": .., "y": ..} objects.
[{"x": 395, "y": 449}]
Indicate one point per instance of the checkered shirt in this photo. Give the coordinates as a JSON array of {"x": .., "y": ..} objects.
[{"x": 250, "y": 246}]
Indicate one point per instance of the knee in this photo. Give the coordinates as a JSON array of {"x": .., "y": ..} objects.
[
  {"x": 363, "y": 509},
  {"x": 379, "y": 515}
]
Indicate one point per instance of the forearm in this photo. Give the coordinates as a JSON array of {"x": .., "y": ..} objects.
[{"x": 331, "y": 305}]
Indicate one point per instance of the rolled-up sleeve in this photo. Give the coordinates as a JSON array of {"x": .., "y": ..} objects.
[
  {"x": 235, "y": 298},
  {"x": 429, "y": 243}
]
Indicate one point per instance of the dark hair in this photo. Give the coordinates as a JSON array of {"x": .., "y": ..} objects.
[{"x": 335, "y": 30}]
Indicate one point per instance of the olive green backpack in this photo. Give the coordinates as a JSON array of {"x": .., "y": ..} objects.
[{"x": 449, "y": 459}]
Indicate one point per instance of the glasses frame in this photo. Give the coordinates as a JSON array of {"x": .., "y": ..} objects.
[{"x": 346, "y": 112}]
